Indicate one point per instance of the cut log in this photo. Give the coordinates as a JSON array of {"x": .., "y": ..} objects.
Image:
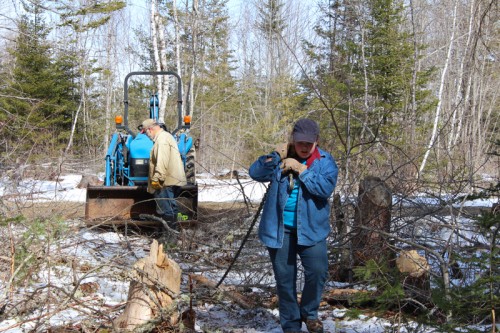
[
  {"x": 342, "y": 297},
  {"x": 155, "y": 284}
]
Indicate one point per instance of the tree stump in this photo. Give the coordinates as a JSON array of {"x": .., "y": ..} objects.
[
  {"x": 415, "y": 271},
  {"x": 373, "y": 214},
  {"x": 156, "y": 282}
]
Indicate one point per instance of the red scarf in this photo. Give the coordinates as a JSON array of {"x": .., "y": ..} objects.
[{"x": 314, "y": 156}]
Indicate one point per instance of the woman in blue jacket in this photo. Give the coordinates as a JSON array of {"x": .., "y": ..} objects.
[{"x": 296, "y": 221}]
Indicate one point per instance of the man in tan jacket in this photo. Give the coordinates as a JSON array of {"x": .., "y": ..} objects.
[{"x": 166, "y": 171}]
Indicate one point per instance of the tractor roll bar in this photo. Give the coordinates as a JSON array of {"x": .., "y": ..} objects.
[{"x": 125, "y": 98}]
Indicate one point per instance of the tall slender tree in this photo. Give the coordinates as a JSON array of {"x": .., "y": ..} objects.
[
  {"x": 364, "y": 68},
  {"x": 41, "y": 92}
]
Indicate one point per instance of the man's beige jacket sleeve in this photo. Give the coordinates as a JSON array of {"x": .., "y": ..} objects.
[{"x": 165, "y": 164}]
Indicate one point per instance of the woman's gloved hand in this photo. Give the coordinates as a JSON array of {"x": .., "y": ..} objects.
[
  {"x": 291, "y": 164},
  {"x": 282, "y": 150}
]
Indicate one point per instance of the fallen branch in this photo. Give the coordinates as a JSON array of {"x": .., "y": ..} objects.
[{"x": 231, "y": 294}]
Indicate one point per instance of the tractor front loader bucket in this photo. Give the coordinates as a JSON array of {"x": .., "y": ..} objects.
[{"x": 110, "y": 204}]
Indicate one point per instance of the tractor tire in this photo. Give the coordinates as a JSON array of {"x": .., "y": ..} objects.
[{"x": 190, "y": 168}]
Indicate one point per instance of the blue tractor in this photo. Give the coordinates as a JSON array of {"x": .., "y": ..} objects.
[{"x": 123, "y": 195}]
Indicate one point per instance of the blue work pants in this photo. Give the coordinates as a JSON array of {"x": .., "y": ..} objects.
[
  {"x": 314, "y": 260},
  {"x": 166, "y": 205}
]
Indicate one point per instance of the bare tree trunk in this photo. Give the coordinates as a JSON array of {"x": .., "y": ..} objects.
[
  {"x": 459, "y": 103},
  {"x": 159, "y": 51},
  {"x": 365, "y": 77},
  {"x": 109, "y": 83},
  {"x": 155, "y": 37},
  {"x": 177, "y": 41},
  {"x": 164, "y": 91},
  {"x": 434, "y": 135},
  {"x": 194, "y": 56},
  {"x": 413, "y": 106},
  {"x": 73, "y": 128}
]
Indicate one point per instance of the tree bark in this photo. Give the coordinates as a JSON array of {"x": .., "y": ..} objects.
[
  {"x": 373, "y": 213},
  {"x": 435, "y": 128},
  {"x": 155, "y": 284}
]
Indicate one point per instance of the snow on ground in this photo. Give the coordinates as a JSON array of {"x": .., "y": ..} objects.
[
  {"x": 211, "y": 189},
  {"x": 65, "y": 189},
  {"x": 87, "y": 248}
]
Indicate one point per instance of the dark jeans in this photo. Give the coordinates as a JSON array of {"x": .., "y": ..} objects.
[
  {"x": 166, "y": 205},
  {"x": 314, "y": 259}
]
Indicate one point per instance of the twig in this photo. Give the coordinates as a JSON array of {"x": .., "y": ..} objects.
[
  {"x": 162, "y": 221},
  {"x": 247, "y": 203},
  {"x": 234, "y": 295},
  {"x": 246, "y": 237}
]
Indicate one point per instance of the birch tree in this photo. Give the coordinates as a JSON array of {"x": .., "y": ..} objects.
[
  {"x": 435, "y": 128},
  {"x": 160, "y": 58},
  {"x": 462, "y": 125}
]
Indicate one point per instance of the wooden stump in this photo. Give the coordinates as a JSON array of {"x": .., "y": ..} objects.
[
  {"x": 156, "y": 282},
  {"x": 415, "y": 270},
  {"x": 373, "y": 213},
  {"x": 412, "y": 264}
]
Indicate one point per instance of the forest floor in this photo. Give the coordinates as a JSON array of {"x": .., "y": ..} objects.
[
  {"x": 80, "y": 283},
  {"x": 69, "y": 277}
]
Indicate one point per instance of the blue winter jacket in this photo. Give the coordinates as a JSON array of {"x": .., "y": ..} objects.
[{"x": 313, "y": 209}]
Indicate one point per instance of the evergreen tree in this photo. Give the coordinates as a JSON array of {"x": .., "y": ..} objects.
[
  {"x": 218, "y": 114},
  {"x": 389, "y": 62},
  {"x": 363, "y": 77},
  {"x": 40, "y": 91}
]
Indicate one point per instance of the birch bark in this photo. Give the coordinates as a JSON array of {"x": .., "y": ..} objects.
[
  {"x": 460, "y": 102},
  {"x": 177, "y": 40},
  {"x": 160, "y": 59},
  {"x": 435, "y": 128},
  {"x": 194, "y": 56},
  {"x": 154, "y": 34}
]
